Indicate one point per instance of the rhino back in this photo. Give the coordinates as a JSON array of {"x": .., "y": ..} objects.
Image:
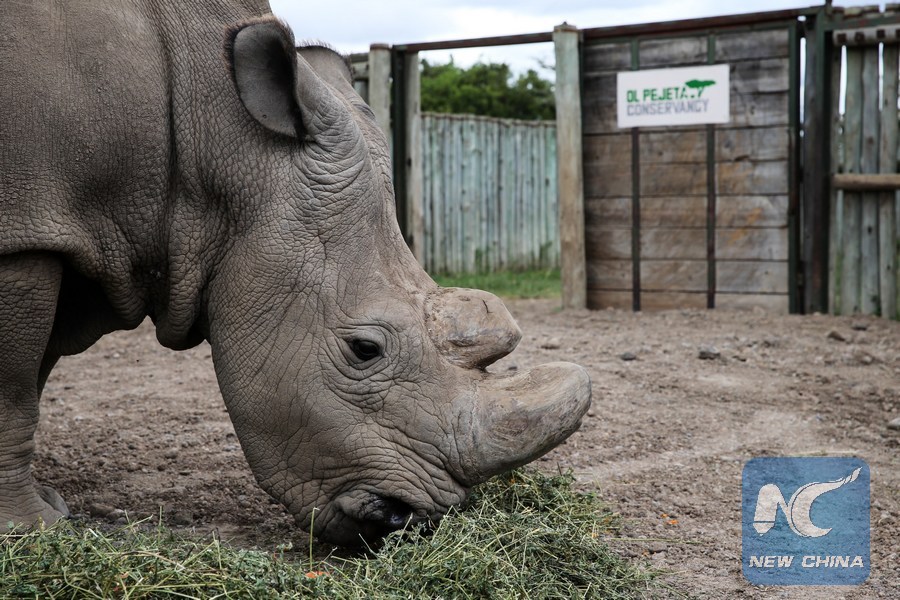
[
  {"x": 101, "y": 134},
  {"x": 84, "y": 147}
]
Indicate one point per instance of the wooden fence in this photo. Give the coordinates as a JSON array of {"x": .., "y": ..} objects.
[
  {"x": 864, "y": 249},
  {"x": 764, "y": 211},
  {"x": 490, "y": 197}
]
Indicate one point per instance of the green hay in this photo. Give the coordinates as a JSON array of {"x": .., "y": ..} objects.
[{"x": 521, "y": 535}]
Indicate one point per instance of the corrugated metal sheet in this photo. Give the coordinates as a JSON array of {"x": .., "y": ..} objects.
[{"x": 490, "y": 194}]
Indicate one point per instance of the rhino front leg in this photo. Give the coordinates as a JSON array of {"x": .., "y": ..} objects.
[{"x": 29, "y": 289}]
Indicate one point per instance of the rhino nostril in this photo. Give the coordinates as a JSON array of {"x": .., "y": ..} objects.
[{"x": 392, "y": 513}]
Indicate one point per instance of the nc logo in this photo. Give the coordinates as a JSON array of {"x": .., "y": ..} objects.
[{"x": 796, "y": 510}]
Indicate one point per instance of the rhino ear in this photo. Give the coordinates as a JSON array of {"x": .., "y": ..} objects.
[{"x": 264, "y": 66}]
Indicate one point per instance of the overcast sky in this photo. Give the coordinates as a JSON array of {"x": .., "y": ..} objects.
[{"x": 352, "y": 25}]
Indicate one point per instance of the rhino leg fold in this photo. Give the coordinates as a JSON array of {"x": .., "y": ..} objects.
[{"x": 29, "y": 289}]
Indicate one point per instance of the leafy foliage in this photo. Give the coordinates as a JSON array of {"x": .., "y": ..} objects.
[{"x": 487, "y": 89}]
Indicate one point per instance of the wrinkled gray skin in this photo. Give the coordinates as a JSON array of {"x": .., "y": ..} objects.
[{"x": 182, "y": 161}]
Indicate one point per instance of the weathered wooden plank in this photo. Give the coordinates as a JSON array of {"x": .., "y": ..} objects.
[
  {"x": 655, "y": 301},
  {"x": 672, "y": 52},
  {"x": 888, "y": 246},
  {"x": 867, "y": 182},
  {"x": 609, "y": 274},
  {"x": 415, "y": 190},
  {"x": 673, "y": 179},
  {"x": 770, "y": 303},
  {"x": 682, "y": 212},
  {"x": 552, "y": 224},
  {"x": 750, "y": 45},
  {"x": 656, "y": 275},
  {"x": 752, "y": 211},
  {"x": 673, "y": 146},
  {"x": 763, "y": 76},
  {"x": 752, "y": 177},
  {"x": 607, "y": 213},
  {"x": 752, "y": 244},
  {"x": 604, "y": 57},
  {"x": 380, "y": 86},
  {"x": 660, "y": 147},
  {"x": 607, "y": 180},
  {"x": 650, "y": 301},
  {"x": 571, "y": 175},
  {"x": 668, "y": 244},
  {"x": 759, "y": 110},
  {"x": 689, "y": 145},
  {"x": 603, "y": 300},
  {"x": 610, "y": 180},
  {"x": 469, "y": 196},
  {"x": 749, "y": 277},
  {"x": 607, "y": 244},
  {"x": 850, "y": 247},
  {"x": 598, "y": 107},
  {"x": 690, "y": 244},
  {"x": 674, "y": 275},
  {"x": 427, "y": 201},
  {"x": 869, "y": 293},
  {"x": 757, "y": 143}
]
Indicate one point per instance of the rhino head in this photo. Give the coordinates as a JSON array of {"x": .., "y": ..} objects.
[{"x": 358, "y": 388}]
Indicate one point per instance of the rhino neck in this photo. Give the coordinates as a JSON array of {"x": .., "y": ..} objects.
[{"x": 200, "y": 218}]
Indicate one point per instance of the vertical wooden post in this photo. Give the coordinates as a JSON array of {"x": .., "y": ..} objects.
[
  {"x": 816, "y": 193},
  {"x": 380, "y": 85},
  {"x": 569, "y": 166},
  {"x": 851, "y": 266},
  {"x": 887, "y": 234},
  {"x": 870, "y": 302},
  {"x": 415, "y": 186}
]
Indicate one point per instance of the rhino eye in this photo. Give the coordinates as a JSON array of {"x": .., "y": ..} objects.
[{"x": 365, "y": 350}]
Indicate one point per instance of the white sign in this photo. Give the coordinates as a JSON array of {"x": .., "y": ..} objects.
[{"x": 683, "y": 96}]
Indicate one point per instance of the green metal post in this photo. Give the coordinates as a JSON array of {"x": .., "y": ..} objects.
[
  {"x": 711, "y": 193},
  {"x": 635, "y": 196}
]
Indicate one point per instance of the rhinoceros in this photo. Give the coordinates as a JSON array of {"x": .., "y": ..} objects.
[{"x": 186, "y": 162}]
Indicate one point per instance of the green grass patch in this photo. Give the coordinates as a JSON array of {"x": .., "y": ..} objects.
[
  {"x": 521, "y": 535},
  {"x": 508, "y": 284}
]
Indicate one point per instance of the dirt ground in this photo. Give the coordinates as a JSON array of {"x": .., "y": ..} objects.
[{"x": 131, "y": 427}]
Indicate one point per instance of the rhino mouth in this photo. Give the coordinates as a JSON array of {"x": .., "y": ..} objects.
[{"x": 365, "y": 519}]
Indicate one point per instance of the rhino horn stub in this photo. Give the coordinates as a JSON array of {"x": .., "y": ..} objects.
[
  {"x": 520, "y": 418},
  {"x": 471, "y": 328}
]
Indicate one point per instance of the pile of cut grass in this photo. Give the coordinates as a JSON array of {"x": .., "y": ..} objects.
[{"x": 521, "y": 535}]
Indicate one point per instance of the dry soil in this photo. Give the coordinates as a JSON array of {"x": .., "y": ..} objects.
[{"x": 682, "y": 399}]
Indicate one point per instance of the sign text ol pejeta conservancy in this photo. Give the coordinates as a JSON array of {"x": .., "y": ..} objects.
[{"x": 683, "y": 96}]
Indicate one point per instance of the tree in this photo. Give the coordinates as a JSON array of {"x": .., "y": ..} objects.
[{"x": 487, "y": 89}]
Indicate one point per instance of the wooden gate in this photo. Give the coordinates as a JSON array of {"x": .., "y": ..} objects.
[
  {"x": 864, "y": 249},
  {"x": 699, "y": 216}
]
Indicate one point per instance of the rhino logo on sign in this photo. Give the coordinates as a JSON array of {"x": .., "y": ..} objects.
[{"x": 797, "y": 509}]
